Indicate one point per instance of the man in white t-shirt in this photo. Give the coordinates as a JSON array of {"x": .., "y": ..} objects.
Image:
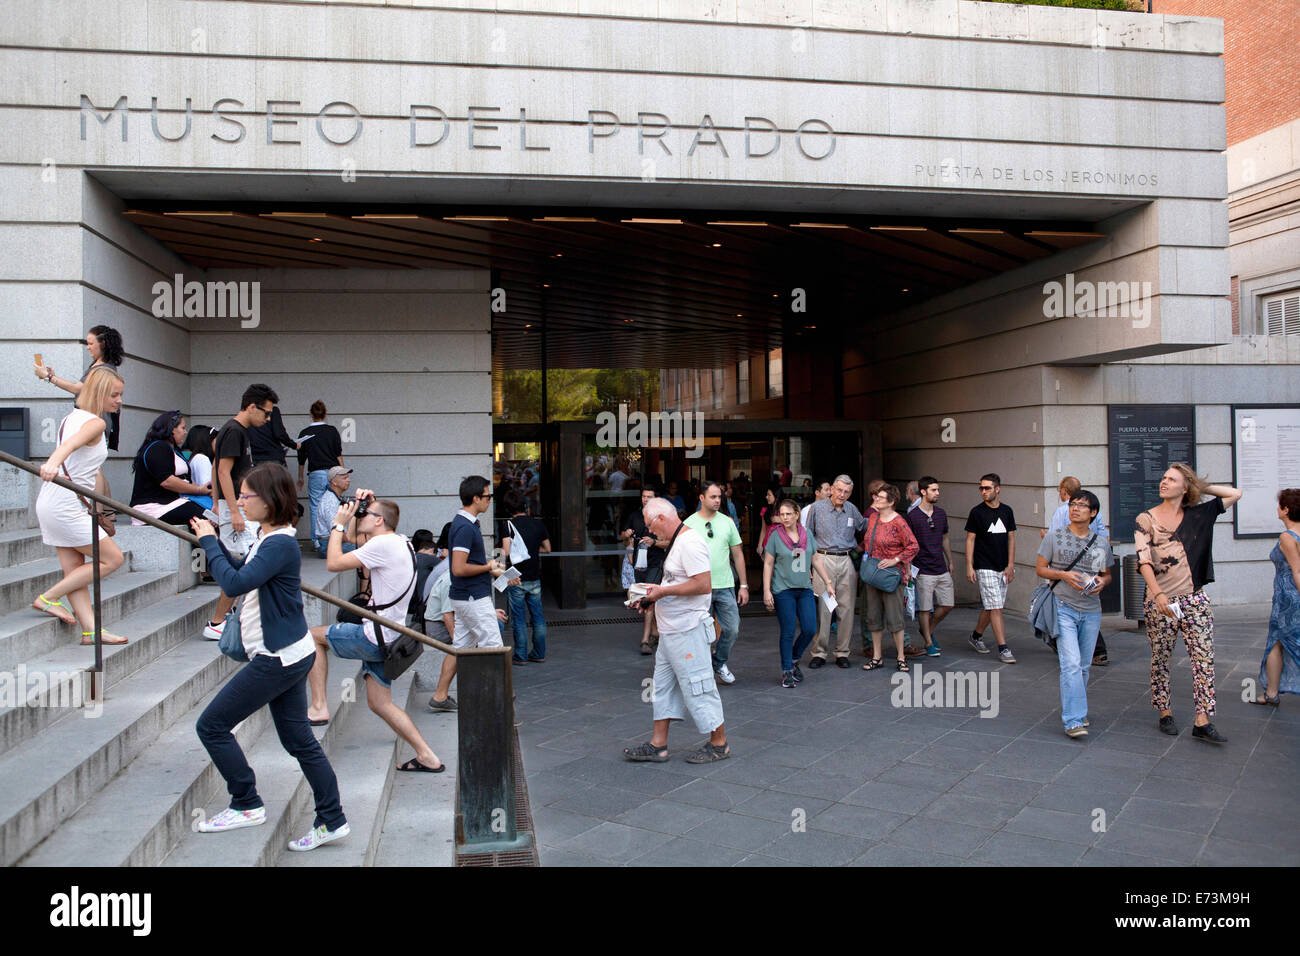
[
  {"x": 684, "y": 681},
  {"x": 390, "y": 560}
]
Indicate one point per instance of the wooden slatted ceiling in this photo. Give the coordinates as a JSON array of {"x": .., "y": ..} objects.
[{"x": 637, "y": 288}]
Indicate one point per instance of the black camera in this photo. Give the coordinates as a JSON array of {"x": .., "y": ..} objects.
[{"x": 363, "y": 507}]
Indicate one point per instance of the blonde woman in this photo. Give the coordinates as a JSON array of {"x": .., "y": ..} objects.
[
  {"x": 64, "y": 521},
  {"x": 1173, "y": 541}
]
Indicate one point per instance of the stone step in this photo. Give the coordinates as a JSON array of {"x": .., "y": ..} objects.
[
  {"x": 26, "y": 633},
  {"x": 16, "y": 519},
  {"x": 21, "y": 546},
  {"x": 281, "y": 785},
  {"x": 48, "y": 687},
  {"x": 19, "y": 585},
  {"x": 145, "y": 810},
  {"x": 419, "y": 827},
  {"x": 49, "y": 778}
]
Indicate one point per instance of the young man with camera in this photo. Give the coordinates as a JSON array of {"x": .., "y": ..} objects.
[{"x": 391, "y": 562}]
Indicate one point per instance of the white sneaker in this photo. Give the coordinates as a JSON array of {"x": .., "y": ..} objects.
[
  {"x": 212, "y": 632},
  {"x": 725, "y": 675},
  {"x": 320, "y": 836},
  {"x": 232, "y": 819}
]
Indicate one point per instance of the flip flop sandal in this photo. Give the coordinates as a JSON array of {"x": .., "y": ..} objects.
[
  {"x": 414, "y": 766},
  {"x": 318, "y": 723},
  {"x": 645, "y": 648},
  {"x": 106, "y": 637},
  {"x": 646, "y": 751},
  {"x": 872, "y": 664},
  {"x": 47, "y": 607},
  {"x": 1265, "y": 700},
  {"x": 709, "y": 753}
]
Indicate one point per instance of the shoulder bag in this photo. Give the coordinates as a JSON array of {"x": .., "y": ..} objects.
[
  {"x": 872, "y": 574},
  {"x": 401, "y": 653},
  {"x": 1042, "y": 603},
  {"x": 232, "y": 640},
  {"x": 106, "y": 517}
]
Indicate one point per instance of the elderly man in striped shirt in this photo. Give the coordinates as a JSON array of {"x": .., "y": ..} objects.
[{"x": 837, "y": 525}]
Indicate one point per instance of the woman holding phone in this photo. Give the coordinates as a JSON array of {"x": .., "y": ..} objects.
[
  {"x": 104, "y": 344},
  {"x": 280, "y": 653},
  {"x": 1173, "y": 542}
]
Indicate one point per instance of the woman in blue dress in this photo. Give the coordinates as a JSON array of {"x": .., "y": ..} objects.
[{"x": 1279, "y": 671}]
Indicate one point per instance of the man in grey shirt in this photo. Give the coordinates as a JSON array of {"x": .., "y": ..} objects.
[{"x": 837, "y": 525}]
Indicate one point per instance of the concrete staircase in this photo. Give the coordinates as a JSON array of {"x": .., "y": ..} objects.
[{"x": 122, "y": 782}]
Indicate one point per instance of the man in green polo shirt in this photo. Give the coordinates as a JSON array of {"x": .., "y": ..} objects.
[{"x": 719, "y": 532}]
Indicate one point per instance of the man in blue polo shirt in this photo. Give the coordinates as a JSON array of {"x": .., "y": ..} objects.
[{"x": 471, "y": 584}]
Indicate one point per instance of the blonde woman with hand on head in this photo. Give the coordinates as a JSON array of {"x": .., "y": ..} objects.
[{"x": 64, "y": 520}]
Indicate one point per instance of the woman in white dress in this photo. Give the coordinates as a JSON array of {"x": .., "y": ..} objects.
[{"x": 64, "y": 521}]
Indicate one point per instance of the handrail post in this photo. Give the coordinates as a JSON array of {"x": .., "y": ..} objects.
[
  {"x": 485, "y": 795},
  {"x": 96, "y": 672}
]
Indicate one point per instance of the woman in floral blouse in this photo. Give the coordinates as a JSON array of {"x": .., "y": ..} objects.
[{"x": 888, "y": 538}]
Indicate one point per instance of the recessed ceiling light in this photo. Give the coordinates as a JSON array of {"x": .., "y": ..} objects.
[
  {"x": 655, "y": 222},
  {"x": 717, "y": 245},
  {"x": 316, "y": 239}
]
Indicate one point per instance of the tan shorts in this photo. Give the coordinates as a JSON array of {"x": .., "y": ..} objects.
[{"x": 934, "y": 590}]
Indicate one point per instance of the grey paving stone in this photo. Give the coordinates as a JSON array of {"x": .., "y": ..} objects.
[
  {"x": 940, "y": 836},
  {"x": 795, "y": 756},
  {"x": 952, "y": 756},
  {"x": 1170, "y": 816},
  {"x": 758, "y": 859},
  {"x": 853, "y": 760},
  {"x": 913, "y": 773},
  {"x": 778, "y": 806},
  {"x": 865, "y": 822},
  {"x": 553, "y": 826},
  {"x": 1030, "y": 760},
  {"x": 1268, "y": 830},
  {"x": 684, "y": 852},
  {"x": 1183, "y": 791},
  {"x": 817, "y": 848},
  {"x": 1056, "y": 796},
  {"x": 958, "y": 808},
  {"x": 554, "y": 856},
  {"x": 719, "y": 794},
  {"x": 889, "y": 854},
  {"x": 825, "y": 786},
  {"x": 1019, "y": 849},
  {"x": 890, "y": 796},
  {"x": 1001, "y": 789},
  {"x": 546, "y": 787},
  {"x": 1099, "y": 857},
  {"x": 600, "y": 801},
  {"x": 1142, "y": 840},
  {"x": 615, "y": 842},
  {"x": 1103, "y": 779},
  {"x": 537, "y": 759},
  {"x": 975, "y": 741},
  {"x": 667, "y": 816},
  {"x": 739, "y": 832},
  {"x": 1221, "y": 852},
  {"x": 1222, "y": 775},
  {"x": 752, "y": 771},
  {"x": 650, "y": 778},
  {"x": 1057, "y": 825}
]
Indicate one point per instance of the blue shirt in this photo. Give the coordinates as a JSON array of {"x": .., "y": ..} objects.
[
  {"x": 1061, "y": 519},
  {"x": 465, "y": 536}
]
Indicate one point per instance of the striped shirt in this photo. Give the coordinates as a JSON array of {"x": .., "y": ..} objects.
[
  {"x": 836, "y": 528},
  {"x": 929, "y": 531}
]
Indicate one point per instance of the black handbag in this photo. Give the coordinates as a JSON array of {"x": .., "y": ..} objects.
[{"x": 401, "y": 653}]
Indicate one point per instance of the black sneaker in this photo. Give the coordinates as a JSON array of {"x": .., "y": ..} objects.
[
  {"x": 842, "y": 662},
  {"x": 787, "y": 678},
  {"x": 1167, "y": 726},
  {"x": 798, "y": 674},
  {"x": 816, "y": 662},
  {"x": 1209, "y": 733}
]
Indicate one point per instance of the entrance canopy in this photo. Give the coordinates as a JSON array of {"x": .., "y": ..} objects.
[{"x": 630, "y": 287}]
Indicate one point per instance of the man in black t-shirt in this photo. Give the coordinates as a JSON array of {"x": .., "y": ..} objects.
[
  {"x": 269, "y": 440},
  {"x": 991, "y": 562},
  {"x": 526, "y": 597},
  {"x": 232, "y": 459},
  {"x": 636, "y": 536},
  {"x": 320, "y": 448}
]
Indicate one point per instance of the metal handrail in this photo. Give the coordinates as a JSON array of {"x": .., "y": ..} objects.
[{"x": 485, "y": 792}]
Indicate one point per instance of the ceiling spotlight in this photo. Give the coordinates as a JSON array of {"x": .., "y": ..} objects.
[
  {"x": 315, "y": 239},
  {"x": 907, "y": 290},
  {"x": 717, "y": 245}
]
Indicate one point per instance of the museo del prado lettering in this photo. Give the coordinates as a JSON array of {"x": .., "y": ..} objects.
[{"x": 339, "y": 123}]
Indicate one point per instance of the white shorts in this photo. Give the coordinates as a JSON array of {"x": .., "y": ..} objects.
[
  {"x": 933, "y": 590},
  {"x": 684, "y": 680},
  {"x": 476, "y": 623},
  {"x": 237, "y": 543},
  {"x": 993, "y": 589}
]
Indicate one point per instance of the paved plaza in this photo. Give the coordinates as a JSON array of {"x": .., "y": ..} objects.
[{"x": 832, "y": 774}]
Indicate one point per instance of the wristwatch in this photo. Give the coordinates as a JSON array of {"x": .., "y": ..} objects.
[
  {"x": 339, "y": 528},
  {"x": 744, "y": 587}
]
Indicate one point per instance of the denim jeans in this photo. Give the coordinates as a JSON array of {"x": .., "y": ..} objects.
[
  {"x": 526, "y": 602},
  {"x": 264, "y": 681},
  {"x": 317, "y": 482},
  {"x": 724, "y": 608},
  {"x": 795, "y": 605},
  {"x": 1074, "y": 646},
  {"x": 323, "y": 546}
]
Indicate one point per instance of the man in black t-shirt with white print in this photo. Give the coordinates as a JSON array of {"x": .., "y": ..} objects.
[{"x": 991, "y": 562}]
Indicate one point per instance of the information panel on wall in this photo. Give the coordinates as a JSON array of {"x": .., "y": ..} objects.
[
  {"x": 1265, "y": 459},
  {"x": 1144, "y": 440}
]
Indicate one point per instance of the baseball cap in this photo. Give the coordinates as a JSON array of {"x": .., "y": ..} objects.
[{"x": 336, "y": 471}]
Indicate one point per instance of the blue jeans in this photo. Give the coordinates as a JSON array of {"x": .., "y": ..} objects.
[
  {"x": 795, "y": 605},
  {"x": 526, "y": 602},
  {"x": 261, "y": 682},
  {"x": 323, "y": 546},
  {"x": 349, "y": 642},
  {"x": 317, "y": 482},
  {"x": 725, "y": 609},
  {"x": 1074, "y": 647}
]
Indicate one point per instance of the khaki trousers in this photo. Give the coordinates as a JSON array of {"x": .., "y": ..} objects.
[{"x": 844, "y": 579}]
